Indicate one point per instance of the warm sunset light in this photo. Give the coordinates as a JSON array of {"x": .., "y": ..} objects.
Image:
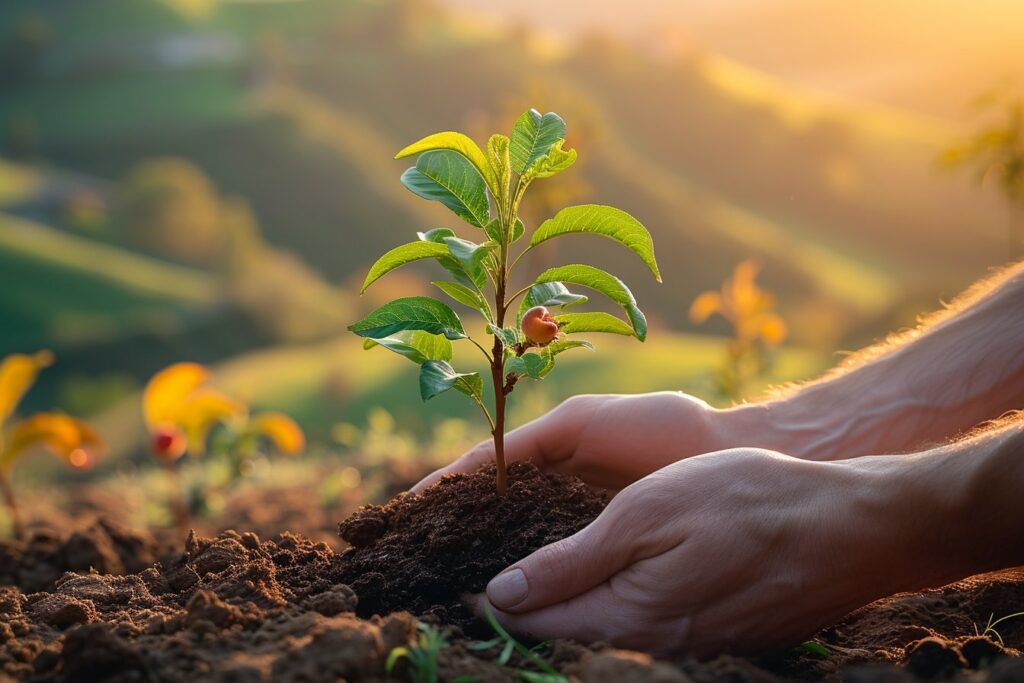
[{"x": 547, "y": 341}]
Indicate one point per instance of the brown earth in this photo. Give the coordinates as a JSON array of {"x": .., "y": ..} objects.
[{"x": 237, "y": 608}]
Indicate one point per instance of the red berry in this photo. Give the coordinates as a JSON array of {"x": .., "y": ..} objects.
[
  {"x": 168, "y": 443},
  {"x": 539, "y": 325}
]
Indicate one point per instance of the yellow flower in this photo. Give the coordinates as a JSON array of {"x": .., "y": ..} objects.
[
  {"x": 746, "y": 306},
  {"x": 281, "y": 430}
]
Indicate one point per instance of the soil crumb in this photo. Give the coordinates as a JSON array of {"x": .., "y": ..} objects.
[{"x": 421, "y": 552}]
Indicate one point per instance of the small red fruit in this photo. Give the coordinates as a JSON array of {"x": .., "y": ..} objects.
[
  {"x": 539, "y": 326},
  {"x": 168, "y": 443}
]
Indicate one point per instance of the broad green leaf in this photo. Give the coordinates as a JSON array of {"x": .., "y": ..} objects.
[
  {"x": 399, "y": 256},
  {"x": 532, "y": 136},
  {"x": 447, "y": 177},
  {"x": 601, "y": 281},
  {"x": 416, "y": 345},
  {"x": 589, "y": 276},
  {"x": 438, "y": 376},
  {"x": 638, "y": 320},
  {"x": 558, "y": 346},
  {"x": 470, "y": 256},
  {"x": 450, "y": 263},
  {"x": 456, "y": 142},
  {"x": 549, "y": 294},
  {"x": 410, "y": 313},
  {"x": 509, "y": 336},
  {"x": 529, "y": 364},
  {"x": 606, "y": 221},
  {"x": 552, "y": 163},
  {"x": 435, "y": 235},
  {"x": 493, "y": 231},
  {"x": 574, "y": 323},
  {"x": 500, "y": 166},
  {"x": 464, "y": 295}
]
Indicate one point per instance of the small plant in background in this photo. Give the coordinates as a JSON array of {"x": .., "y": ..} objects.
[
  {"x": 181, "y": 413},
  {"x": 65, "y": 436},
  {"x": 485, "y": 189},
  {"x": 757, "y": 329},
  {"x": 996, "y": 152}
]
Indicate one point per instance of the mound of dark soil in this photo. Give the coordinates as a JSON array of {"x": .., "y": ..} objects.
[
  {"x": 102, "y": 545},
  {"x": 421, "y": 553}
]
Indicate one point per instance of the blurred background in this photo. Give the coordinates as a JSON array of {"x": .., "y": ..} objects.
[{"x": 208, "y": 180}]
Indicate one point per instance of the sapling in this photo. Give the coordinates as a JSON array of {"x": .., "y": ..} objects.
[
  {"x": 69, "y": 438},
  {"x": 485, "y": 189}
]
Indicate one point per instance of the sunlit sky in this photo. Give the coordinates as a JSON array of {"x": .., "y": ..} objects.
[{"x": 916, "y": 54}]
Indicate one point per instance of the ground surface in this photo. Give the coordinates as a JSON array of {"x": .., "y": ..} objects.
[{"x": 235, "y": 607}]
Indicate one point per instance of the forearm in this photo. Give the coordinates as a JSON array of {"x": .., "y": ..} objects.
[
  {"x": 935, "y": 383},
  {"x": 945, "y": 514}
]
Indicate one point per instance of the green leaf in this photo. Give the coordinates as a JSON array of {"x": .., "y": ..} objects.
[
  {"x": 574, "y": 323},
  {"x": 552, "y": 163},
  {"x": 410, "y": 313},
  {"x": 813, "y": 648},
  {"x": 638, "y": 320},
  {"x": 416, "y": 345},
  {"x": 464, "y": 295},
  {"x": 399, "y": 256},
  {"x": 601, "y": 281},
  {"x": 549, "y": 294},
  {"x": 438, "y": 376},
  {"x": 447, "y": 177},
  {"x": 529, "y": 364},
  {"x": 532, "y": 136},
  {"x": 509, "y": 336},
  {"x": 450, "y": 263},
  {"x": 470, "y": 254},
  {"x": 456, "y": 142},
  {"x": 589, "y": 276},
  {"x": 493, "y": 231},
  {"x": 435, "y": 235},
  {"x": 606, "y": 221},
  {"x": 558, "y": 346},
  {"x": 500, "y": 166}
]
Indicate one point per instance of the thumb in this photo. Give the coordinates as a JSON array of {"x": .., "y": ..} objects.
[{"x": 562, "y": 570}]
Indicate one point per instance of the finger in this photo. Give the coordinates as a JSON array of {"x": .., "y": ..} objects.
[
  {"x": 548, "y": 439},
  {"x": 597, "y": 615},
  {"x": 566, "y": 568}
]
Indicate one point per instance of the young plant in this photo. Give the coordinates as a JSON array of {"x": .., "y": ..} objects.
[
  {"x": 181, "y": 411},
  {"x": 757, "y": 329},
  {"x": 485, "y": 189},
  {"x": 65, "y": 436}
]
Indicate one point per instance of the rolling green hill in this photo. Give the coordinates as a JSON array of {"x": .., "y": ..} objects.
[
  {"x": 298, "y": 107},
  {"x": 61, "y": 289}
]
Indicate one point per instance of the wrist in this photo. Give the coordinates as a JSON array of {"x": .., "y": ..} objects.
[{"x": 779, "y": 426}]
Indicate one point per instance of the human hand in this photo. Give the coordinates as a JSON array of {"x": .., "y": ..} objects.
[
  {"x": 743, "y": 550},
  {"x": 609, "y": 441}
]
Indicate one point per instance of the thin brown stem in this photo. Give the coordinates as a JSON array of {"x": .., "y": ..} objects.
[{"x": 12, "y": 506}]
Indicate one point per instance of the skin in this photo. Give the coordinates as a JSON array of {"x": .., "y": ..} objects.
[{"x": 718, "y": 541}]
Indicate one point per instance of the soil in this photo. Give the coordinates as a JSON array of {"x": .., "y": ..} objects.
[
  {"x": 421, "y": 553},
  {"x": 233, "y": 607}
]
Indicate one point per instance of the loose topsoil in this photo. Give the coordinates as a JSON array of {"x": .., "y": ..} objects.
[{"x": 238, "y": 608}]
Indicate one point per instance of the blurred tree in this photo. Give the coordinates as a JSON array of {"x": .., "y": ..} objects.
[
  {"x": 996, "y": 154},
  {"x": 171, "y": 208}
]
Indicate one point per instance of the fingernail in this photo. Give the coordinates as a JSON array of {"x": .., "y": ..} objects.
[{"x": 508, "y": 588}]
